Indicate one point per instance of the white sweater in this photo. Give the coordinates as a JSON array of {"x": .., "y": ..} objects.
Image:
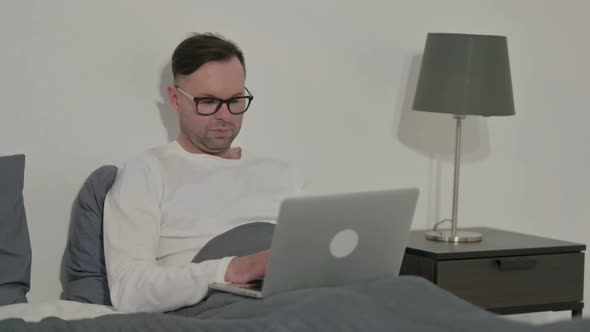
[{"x": 163, "y": 208}]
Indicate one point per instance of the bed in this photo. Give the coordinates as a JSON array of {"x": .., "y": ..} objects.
[{"x": 395, "y": 304}]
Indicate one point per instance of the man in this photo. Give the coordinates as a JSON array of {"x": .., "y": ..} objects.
[{"x": 167, "y": 203}]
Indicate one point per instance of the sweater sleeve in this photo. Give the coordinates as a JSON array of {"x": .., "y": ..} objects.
[{"x": 131, "y": 234}]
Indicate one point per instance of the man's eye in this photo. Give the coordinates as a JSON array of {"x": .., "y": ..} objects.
[{"x": 209, "y": 101}]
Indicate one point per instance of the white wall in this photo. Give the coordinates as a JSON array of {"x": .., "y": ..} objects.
[{"x": 81, "y": 86}]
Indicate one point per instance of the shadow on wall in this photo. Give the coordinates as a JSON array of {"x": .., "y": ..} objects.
[
  {"x": 167, "y": 113},
  {"x": 433, "y": 135}
]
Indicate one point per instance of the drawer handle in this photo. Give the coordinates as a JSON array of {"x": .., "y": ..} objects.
[{"x": 516, "y": 265}]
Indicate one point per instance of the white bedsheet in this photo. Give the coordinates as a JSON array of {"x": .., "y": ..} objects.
[{"x": 68, "y": 310}]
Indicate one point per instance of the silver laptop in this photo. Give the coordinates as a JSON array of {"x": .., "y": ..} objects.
[{"x": 335, "y": 240}]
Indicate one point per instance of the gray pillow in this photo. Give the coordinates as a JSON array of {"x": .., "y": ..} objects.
[
  {"x": 242, "y": 240},
  {"x": 15, "y": 246},
  {"x": 84, "y": 274}
]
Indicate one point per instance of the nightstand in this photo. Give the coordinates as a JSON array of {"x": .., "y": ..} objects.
[{"x": 506, "y": 273}]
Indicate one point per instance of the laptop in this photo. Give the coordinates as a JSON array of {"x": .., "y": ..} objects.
[{"x": 334, "y": 240}]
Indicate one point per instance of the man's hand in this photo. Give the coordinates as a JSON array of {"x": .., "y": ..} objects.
[{"x": 244, "y": 269}]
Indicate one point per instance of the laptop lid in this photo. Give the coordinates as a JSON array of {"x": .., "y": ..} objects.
[{"x": 338, "y": 239}]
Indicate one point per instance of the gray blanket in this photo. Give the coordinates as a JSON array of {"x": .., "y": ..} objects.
[{"x": 397, "y": 304}]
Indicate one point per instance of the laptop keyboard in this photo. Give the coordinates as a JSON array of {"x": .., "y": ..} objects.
[{"x": 254, "y": 285}]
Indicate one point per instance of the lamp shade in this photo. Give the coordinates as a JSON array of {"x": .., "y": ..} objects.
[{"x": 465, "y": 74}]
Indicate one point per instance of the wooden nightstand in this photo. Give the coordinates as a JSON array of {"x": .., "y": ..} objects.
[{"x": 506, "y": 273}]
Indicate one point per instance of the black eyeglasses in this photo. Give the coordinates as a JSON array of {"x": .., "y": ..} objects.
[{"x": 210, "y": 105}]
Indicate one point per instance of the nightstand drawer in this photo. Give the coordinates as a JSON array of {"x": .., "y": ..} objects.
[{"x": 514, "y": 281}]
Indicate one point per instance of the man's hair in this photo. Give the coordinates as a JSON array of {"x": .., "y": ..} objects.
[{"x": 201, "y": 48}]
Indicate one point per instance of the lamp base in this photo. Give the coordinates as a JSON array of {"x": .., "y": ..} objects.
[{"x": 445, "y": 235}]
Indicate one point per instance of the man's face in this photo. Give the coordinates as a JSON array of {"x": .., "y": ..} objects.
[{"x": 212, "y": 134}]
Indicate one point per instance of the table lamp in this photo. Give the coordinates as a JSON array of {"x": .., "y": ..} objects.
[{"x": 463, "y": 74}]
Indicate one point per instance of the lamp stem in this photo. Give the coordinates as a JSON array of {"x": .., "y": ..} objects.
[
  {"x": 454, "y": 235},
  {"x": 459, "y": 118}
]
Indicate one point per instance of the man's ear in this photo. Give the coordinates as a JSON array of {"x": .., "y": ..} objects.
[{"x": 174, "y": 97}]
